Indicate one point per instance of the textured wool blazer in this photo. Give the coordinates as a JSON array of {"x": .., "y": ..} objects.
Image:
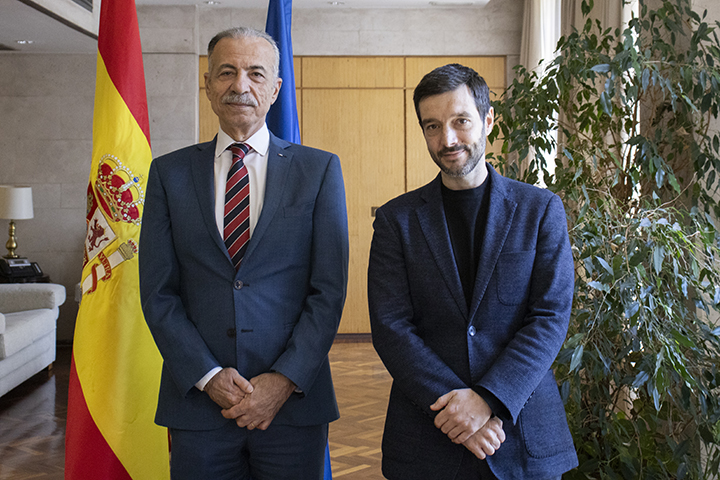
[
  {"x": 503, "y": 346},
  {"x": 278, "y": 313}
]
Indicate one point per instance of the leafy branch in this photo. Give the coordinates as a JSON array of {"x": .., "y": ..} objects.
[{"x": 620, "y": 125}]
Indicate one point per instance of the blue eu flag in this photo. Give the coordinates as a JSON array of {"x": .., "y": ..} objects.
[{"x": 282, "y": 119}]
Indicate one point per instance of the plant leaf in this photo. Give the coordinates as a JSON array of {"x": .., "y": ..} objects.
[
  {"x": 632, "y": 310},
  {"x": 605, "y": 103},
  {"x": 658, "y": 257},
  {"x": 598, "y": 286},
  {"x": 605, "y": 265},
  {"x": 576, "y": 358},
  {"x": 640, "y": 379},
  {"x": 601, "y": 68}
]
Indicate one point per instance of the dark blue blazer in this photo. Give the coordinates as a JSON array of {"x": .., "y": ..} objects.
[
  {"x": 503, "y": 346},
  {"x": 279, "y": 312}
]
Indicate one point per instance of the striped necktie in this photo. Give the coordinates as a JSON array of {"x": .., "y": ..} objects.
[{"x": 236, "y": 231}]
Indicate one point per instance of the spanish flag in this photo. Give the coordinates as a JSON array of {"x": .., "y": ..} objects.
[{"x": 115, "y": 374}]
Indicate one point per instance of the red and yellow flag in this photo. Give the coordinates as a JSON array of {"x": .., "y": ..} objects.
[{"x": 115, "y": 373}]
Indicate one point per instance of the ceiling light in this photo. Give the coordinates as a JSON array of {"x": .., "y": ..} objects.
[
  {"x": 25, "y": 42},
  {"x": 336, "y": 3},
  {"x": 212, "y": 2}
]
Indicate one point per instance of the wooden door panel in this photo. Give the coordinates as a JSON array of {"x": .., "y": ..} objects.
[
  {"x": 361, "y": 108},
  {"x": 366, "y": 129}
]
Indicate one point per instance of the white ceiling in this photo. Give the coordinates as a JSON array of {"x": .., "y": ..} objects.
[{"x": 21, "y": 22}]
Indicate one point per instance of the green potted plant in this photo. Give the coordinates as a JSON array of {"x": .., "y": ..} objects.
[{"x": 635, "y": 161}]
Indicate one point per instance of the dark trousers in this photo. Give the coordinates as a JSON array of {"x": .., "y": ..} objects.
[
  {"x": 232, "y": 453},
  {"x": 473, "y": 468}
]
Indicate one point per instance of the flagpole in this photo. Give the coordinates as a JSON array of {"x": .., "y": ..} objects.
[
  {"x": 282, "y": 119},
  {"x": 115, "y": 370}
]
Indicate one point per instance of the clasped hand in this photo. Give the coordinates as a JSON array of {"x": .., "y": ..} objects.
[
  {"x": 465, "y": 418},
  {"x": 252, "y": 404}
]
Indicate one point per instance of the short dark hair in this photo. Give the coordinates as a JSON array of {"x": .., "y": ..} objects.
[
  {"x": 245, "y": 32},
  {"x": 448, "y": 78}
]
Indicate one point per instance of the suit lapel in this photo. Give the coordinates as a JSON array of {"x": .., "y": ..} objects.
[
  {"x": 278, "y": 166},
  {"x": 203, "y": 170},
  {"x": 500, "y": 216},
  {"x": 433, "y": 223}
]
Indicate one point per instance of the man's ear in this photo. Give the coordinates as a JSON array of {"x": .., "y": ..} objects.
[
  {"x": 489, "y": 119},
  {"x": 278, "y": 85}
]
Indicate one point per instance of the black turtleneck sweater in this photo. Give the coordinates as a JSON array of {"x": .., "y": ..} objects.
[{"x": 466, "y": 214}]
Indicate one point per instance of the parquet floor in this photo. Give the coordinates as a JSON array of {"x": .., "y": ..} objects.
[
  {"x": 362, "y": 386},
  {"x": 32, "y": 418}
]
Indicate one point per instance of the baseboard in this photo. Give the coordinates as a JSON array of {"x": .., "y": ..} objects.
[
  {"x": 339, "y": 338},
  {"x": 353, "y": 338}
]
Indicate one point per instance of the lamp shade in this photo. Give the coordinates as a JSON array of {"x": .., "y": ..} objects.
[{"x": 16, "y": 202}]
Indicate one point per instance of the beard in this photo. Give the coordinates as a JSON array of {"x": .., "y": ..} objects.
[{"x": 475, "y": 151}]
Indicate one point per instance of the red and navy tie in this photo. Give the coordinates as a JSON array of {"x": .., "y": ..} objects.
[{"x": 236, "y": 231}]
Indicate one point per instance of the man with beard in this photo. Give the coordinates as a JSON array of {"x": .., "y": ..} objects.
[
  {"x": 243, "y": 273},
  {"x": 470, "y": 287}
]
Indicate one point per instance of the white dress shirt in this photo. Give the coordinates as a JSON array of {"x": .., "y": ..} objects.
[{"x": 256, "y": 162}]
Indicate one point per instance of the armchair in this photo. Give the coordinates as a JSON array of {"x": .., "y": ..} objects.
[{"x": 28, "y": 320}]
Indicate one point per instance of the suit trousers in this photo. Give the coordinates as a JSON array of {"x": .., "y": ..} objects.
[
  {"x": 281, "y": 452},
  {"x": 473, "y": 468}
]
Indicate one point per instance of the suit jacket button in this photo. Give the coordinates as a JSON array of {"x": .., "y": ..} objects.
[
  {"x": 472, "y": 331},
  {"x": 231, "y": 332},
  {"x": 238, "y": 284}
]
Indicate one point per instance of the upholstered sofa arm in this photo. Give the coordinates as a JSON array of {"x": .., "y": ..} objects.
[
  {"x": 17, "y": 297},
  {"x": 2, "y": 323}
]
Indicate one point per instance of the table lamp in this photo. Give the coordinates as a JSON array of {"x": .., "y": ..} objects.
[{"x": 15, "y": 204}]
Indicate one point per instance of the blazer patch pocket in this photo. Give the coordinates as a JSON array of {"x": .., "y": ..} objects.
[
  {"x": 514, "y": 271},
  {"x": 544, "y": 438},
  {"x": 299, "y": 209}
]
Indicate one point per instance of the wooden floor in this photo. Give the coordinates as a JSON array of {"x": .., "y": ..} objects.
[{"x": 32, "y": 418}]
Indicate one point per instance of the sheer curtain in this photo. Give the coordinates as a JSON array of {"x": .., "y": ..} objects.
[
  {"x": 542, "y": 28},
  {"x": 540, "y": 33},
  {"x": 545, "y": 21},
  {"x": 611, "y": 13}
]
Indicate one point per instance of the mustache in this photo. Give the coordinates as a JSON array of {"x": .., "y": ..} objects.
[
  {"x": 241, "y": 98},
  {"x": 456, "y": 148}
]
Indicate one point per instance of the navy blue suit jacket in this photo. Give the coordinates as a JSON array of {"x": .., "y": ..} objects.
[
  {"x": 279, "y": 312},
  {"x": 503, "y": 346}
]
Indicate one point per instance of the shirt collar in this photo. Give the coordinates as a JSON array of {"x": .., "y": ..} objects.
[{"x": 259, "y": 141}]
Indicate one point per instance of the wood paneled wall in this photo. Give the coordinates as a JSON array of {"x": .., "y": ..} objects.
[{"x": 361, "y": 109}]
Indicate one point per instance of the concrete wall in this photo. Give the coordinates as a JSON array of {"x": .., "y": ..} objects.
[
  {"x": 46, "y": 101},
  {"x": 46, "y": 105}
]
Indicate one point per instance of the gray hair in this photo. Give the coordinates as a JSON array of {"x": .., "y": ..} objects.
[{"x": 245, "y": 32}]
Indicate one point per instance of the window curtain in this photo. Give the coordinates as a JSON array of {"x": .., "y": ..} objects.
[
  {"x": 540, "y": 33},
  {"x": 611, "y": 13},
  {"x": 545, "y": 21}
]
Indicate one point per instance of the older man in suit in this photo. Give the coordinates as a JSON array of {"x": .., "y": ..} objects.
[
  {"x": 243, "y": 273},
  {"x": 470, "y": 289}
]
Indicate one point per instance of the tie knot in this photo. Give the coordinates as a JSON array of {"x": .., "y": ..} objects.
[{"x": 239, "y": 150}]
